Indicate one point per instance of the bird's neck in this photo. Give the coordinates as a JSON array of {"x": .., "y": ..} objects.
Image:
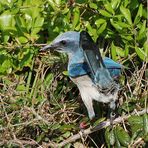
[
  {"x": 76, "y": 57},
  {"x": 76, "y": 65}
]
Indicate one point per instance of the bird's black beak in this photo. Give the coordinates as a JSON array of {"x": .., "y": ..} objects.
[{"x": 47, "y": 47}]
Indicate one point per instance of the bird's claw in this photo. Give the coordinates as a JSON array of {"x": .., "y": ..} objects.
[{"x": 112, "y": 117}]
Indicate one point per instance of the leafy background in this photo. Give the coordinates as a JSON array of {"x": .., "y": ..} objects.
[{"x": 39, "y": 105}]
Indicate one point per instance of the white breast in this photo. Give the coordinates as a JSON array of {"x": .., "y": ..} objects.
[{"x": 88, "y": 90}]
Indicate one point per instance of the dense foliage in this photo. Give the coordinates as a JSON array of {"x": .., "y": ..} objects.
[{"x": 39, "y": 105}]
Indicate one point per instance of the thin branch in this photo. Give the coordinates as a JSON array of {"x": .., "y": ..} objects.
[
  {"x": 101, "y": 125},
  {"x": 73, "y": 138}
]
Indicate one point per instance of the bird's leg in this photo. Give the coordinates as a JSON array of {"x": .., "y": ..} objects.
[
  {"x": 89, "y": 105},
  {"x": 112, "y": 113}
]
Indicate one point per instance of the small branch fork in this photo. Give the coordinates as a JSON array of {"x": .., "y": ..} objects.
[{"x": 75, "y": 137}]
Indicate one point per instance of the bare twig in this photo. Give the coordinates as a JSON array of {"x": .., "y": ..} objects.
[
  {"x": 101, "y": 125},
  {"x": 73, "y": 138}
]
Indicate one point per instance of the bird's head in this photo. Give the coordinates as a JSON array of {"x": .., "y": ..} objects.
[{"x": 67, "y": 42}]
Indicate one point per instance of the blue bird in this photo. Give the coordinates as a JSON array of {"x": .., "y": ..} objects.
[{"x": 93, "y": 75}]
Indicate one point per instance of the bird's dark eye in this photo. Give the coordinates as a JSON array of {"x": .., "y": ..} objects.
[{"x": 63, "y": 42}]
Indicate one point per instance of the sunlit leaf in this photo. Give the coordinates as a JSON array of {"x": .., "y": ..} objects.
[
  {"x": 99, "y": 22},
  {"x": 93, "y": 6},
  {"x": 139, "y": 14},
  {"x": 142, "y": 31},
  {"x": 115, "y": 25},
  {"x": 115, "y": 3},
  {"x": 6, "y": 20},
  {"x": 136, "y": 123},
  {"x": 66, "y": 73},
  {"x": 142, "y": 55},
  {"x": 109, "y": 8},
  {"x": 5, "y": 64},
  {"x": 53, "y": 5},
  {"x": 22, "y": 39},
  {"x": 101, "y": 28},
  {"x": 126, "y": 13},
  {"x": 76, "y": 17},
  {"x": 21, "y": 87},
  {"x": 113, "y": 51},
  {"x": 123, "y": 136},
  {"x": 37, "y": 25},
  {"x": 105, "y": 13}
]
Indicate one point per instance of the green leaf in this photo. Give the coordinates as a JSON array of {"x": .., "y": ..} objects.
[
  {"x": 126, "y": 3},
  {"x": 126, "y": 13},
  {"x": 139, "y": 15},
  {"x": 21, "y": 87},
  {"x": 127, "y": 37},
  {"x": 21, "y": 24},
  {"x": 53, "y": 5},
  {"x": 26, "y": 60},
  {"x": 124, "y": 25},
  {"x": 146, "y": 47},
  {"x": 58, "y": 2},
  {"x": 136, "y": 123},
  {"x": 115, "y": 4},
  {"x": 99, "y": 121},
  {"x": 113, "y": 51},
  {"x": 91, "y": 30},
  {"x": 116, "y": 25},
  {"x": 142, "y": 31},
  {"x": 105, "y": 13},
  {"x": 93, "y": 6},
  {"x": 98, "y": 22},
  {"x": 126, "y": 50},
  {"x": 66, "y": 134},
  {"x": 22, "y": 39},
  {"x": 145, "y": 124},
  {"x": 102, "y": 28},
  {"x": 5, "y": 64},
  {"x": 76, "y": 17},
  {"x": 37, "y": 25},
  {"x": 135, "y": 120},
  {"x": 48, "y": 79},
  {"x": 109, "y": 8},
  {"x": 39, "y": 22},
  {"x": 142, "y": 55},
  {"x": 112, "y": 137},
  {"x": 107, "y": 137},
  {"x": 28, "y": 22},
  {"x": 55, "y": 126},
  {"x": 122, "y": 136},
  {"x": 7, "y": 21},
  {"x": 5, "y": 37},
  {"x": 66, "y": 73},
  {"x": 133, "y": 5},
  {"x": 67, "y": 127},
  {"x": 120, "y": 51}
]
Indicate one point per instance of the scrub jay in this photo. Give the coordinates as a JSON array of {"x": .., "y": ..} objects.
[{"x": 93, "y": 75}]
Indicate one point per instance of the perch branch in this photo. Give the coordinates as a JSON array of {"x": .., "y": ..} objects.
[
  {"x": 75, "y": 137},
  {"x": 100, "y": 126}
]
